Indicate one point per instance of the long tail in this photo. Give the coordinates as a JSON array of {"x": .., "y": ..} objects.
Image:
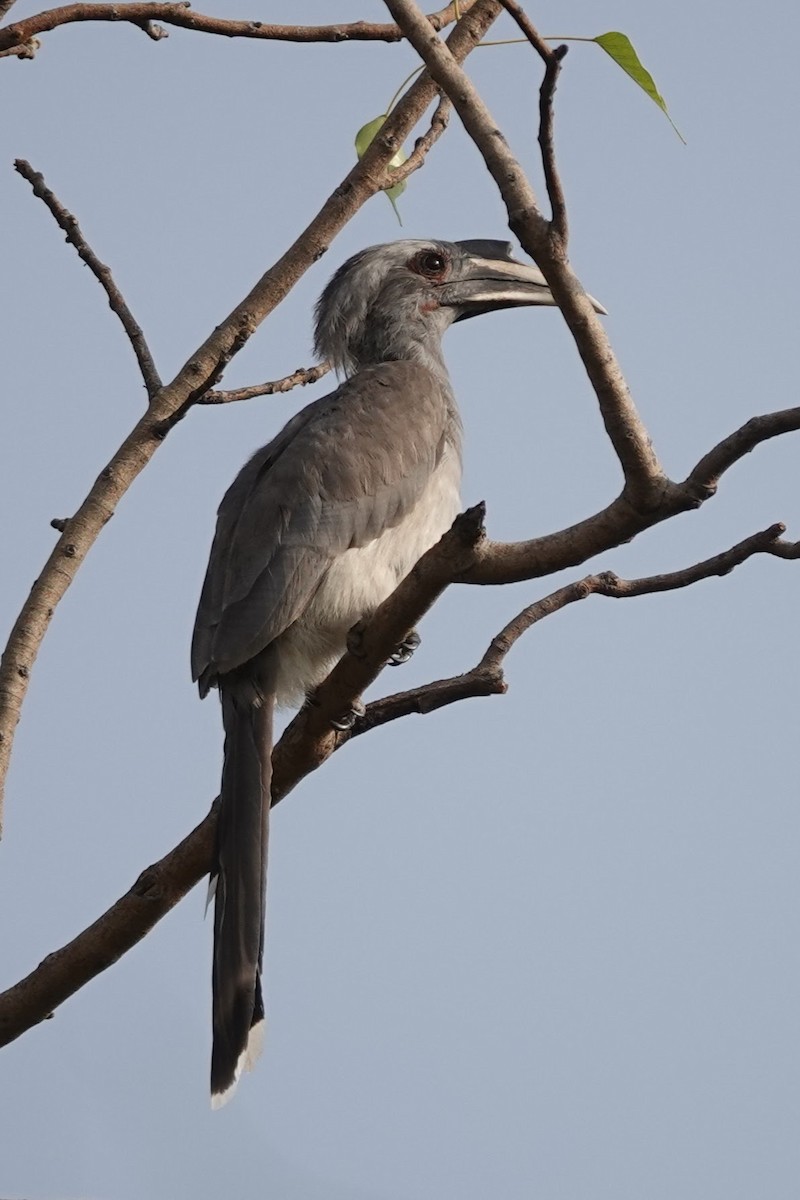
[{"x": 241, "y": 872}]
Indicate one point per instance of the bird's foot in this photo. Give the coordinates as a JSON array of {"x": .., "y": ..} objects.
[
  {"x": 405, "y": 650},
  {"x": 355, "y": 645},
  {"x": 348, "y": 719}
]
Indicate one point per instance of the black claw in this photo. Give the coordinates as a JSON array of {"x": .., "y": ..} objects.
[
  {"x": 404, "y": 651},
  {"x": 348, "y": 719}
]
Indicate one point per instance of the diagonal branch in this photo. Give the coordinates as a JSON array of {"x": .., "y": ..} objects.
[
  {"x": 66, "y": 221},
  {"x": 64, "y": 972},
  {"x": 307, "y": 742},
  {"x": 200, "y": 373},
  {"x": 162, "y": 885},
  {"x": 181, "y": 15},
  {"x": 644, "y": 476},
  {"x": 512, "y": 562}
]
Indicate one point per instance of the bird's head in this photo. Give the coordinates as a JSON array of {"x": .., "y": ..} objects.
[{"x": 396, "y": 300}]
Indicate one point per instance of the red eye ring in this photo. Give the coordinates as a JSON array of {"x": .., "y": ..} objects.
[{"x": 430, "y": 263}]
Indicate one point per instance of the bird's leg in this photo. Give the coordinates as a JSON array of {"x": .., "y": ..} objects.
[{"x": 402, "y": 654}]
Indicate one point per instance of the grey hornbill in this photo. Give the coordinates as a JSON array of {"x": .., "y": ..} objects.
[{"x": 316, "y": 530}]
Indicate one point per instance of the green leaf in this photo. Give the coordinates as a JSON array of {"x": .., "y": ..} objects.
[
  {"x": 619, "y": 47},
  {"x": 364, "y": 138}
]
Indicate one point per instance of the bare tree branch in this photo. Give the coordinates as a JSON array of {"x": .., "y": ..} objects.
[
  {"x": 182, "y": 16},
  {"x": 299, "y": 378},
  {"x": 644, "y": 476},
  {"x": 309, "y": 740},
  {"x": 61, "y": 974},
  {"x": 200, "y": 373},
  {"x": 66, "y": 221},
  {"x": 512, "y": 562},
  {"x": 608, "y": 584},
  {"x": 486, "y": 677},
  {"x": 5, "y": 7}
]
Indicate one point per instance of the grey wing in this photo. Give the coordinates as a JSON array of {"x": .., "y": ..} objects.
[{"x": 344, "y": 470}]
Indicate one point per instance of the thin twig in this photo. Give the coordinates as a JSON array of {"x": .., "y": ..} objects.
[
  {"x": 299, "y": 378},
  {"x": 416, "y": 158},
  {"x": 644, "y": 477},
  {"x": 555, "y": 191},
  {"x": 164, "y": 883},
  {"x": 182, "y": 16},
  {"x": 552, "y": 59},
  {"x": 200, "y": 374},
  {"x": 66, "y": 221}
]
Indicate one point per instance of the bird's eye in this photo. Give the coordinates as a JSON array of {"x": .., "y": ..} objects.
[{"x": 431, "y": 263}]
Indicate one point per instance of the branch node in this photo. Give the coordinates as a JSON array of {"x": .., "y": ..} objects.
[{"x": 470, "y": 527}]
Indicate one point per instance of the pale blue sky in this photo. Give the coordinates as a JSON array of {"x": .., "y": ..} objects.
[{"x": 539, "y": 946}]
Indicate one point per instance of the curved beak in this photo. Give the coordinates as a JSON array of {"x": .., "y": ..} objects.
[{"x": 489, "y": 278}]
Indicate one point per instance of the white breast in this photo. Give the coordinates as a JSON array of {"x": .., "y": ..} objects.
[{"x": 358, "y": 580}]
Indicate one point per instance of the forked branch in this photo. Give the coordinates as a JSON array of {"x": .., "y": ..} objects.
[{"x": 310, "y": 740}]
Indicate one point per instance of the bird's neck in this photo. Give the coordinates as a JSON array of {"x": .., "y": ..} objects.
[{"x": 426, "y": 351}]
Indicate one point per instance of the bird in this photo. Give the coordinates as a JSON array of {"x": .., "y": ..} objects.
[{"x": 316, "y": 530}]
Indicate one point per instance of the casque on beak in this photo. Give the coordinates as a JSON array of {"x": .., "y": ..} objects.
[{"x": 489, "y": 278}]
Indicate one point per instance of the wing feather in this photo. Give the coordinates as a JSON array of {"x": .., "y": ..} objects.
[{"x": 344, "y": 470}]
